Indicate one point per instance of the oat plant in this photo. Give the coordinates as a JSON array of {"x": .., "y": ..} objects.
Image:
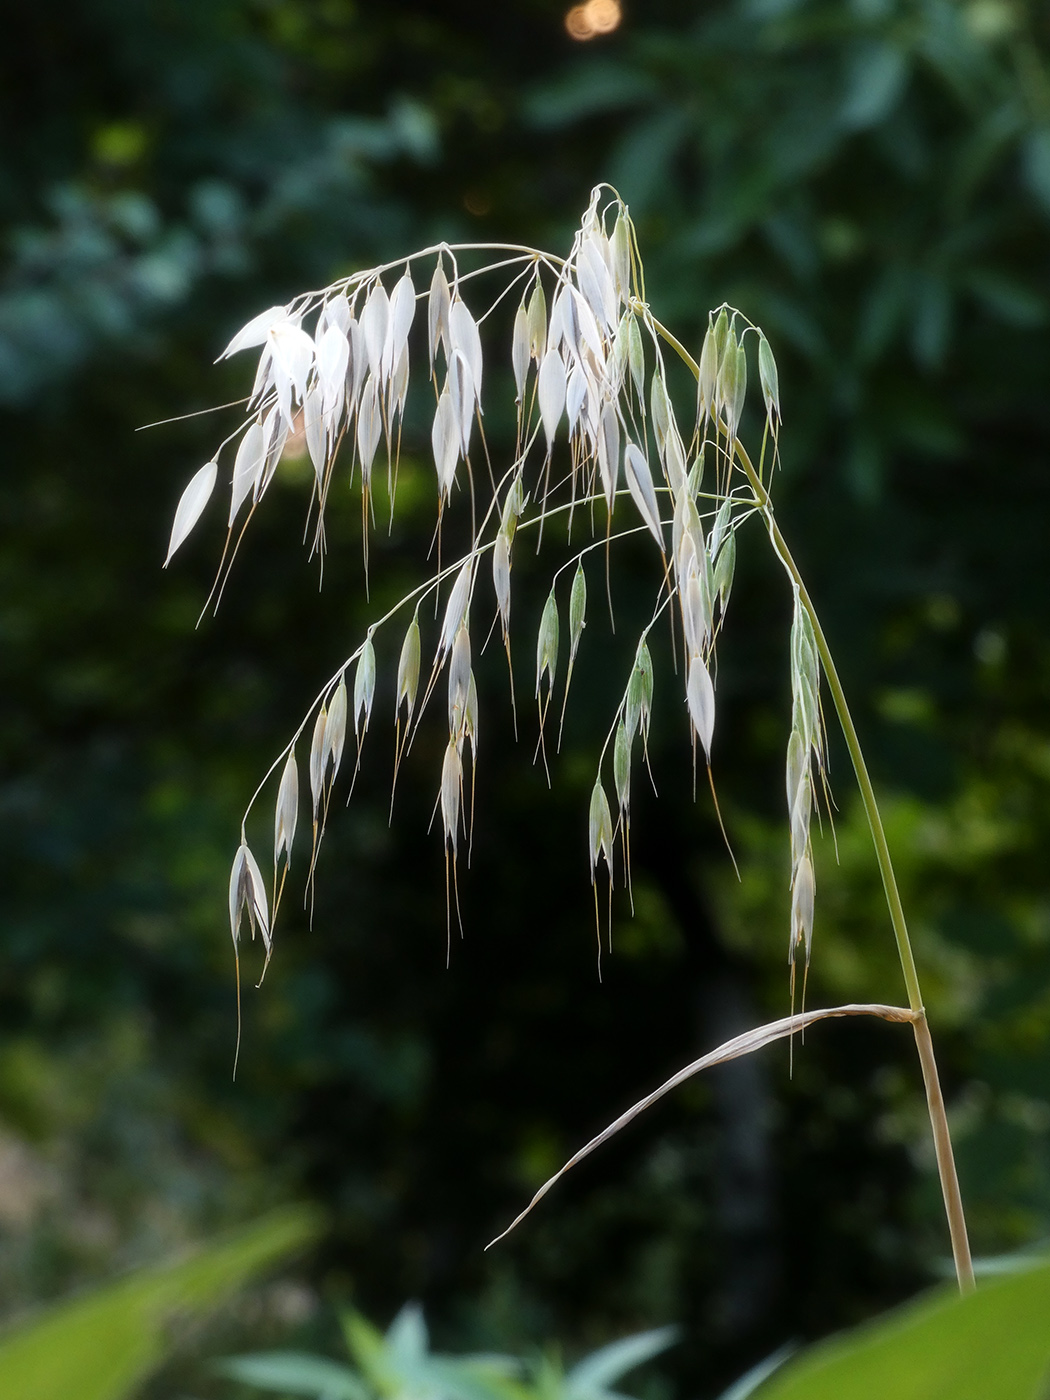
[{"x": 600, "y": 446}]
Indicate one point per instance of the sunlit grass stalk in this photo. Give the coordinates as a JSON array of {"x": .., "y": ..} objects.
[{"x": 945, "y": 1155}]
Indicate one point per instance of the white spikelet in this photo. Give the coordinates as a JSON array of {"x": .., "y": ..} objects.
[
  {"x": 364, "y": 687},
  {"x": 286, "y": 812},
  {"x": 575, "y": 394},
  {"x": 256, "y": 331},
  {"x": 369, "y": 426},
  {"x": 335, "y": 730},
  {"x": 640, "y": 483},
  {"x": 461, "y": 388},
  {"x": 673, "y": 458},
  {"x": 375, "y": 322},
  {"x": 402, "y": 314},
  {"x": 191, "y": 505},
  {"x": 335, "y": 312},
  {"x": 583, "y": 327},
  {"x": 248, "y": 894},
  {"x": 696, "y": 607},
  {"x": 596, "y": 283},
  {"x": 464, "y": 336},
  {"x": 456, "y": 608},
  {"x": 399, "y": 383},
  {"x": 293, "y": 354},
  {"x": 247, "y": 467},
  {"x": 458, "y": 680},
  {"x": 600, "y": 829},
  {"x": 609, "y": 453},
  {"x": 313, "y": 426},
  {"x": 275, "y": 435},
  {"x": 357, "y": 367},
  {"x": 551, "y": 392},
  {"x": 333, "y": 361},
  {"x": 408, "y": 667},
  {"x": 451, "y": 792},
  {"x": 501, "y": 578},
  {"x": 519, "y": 350},
  {"x": 700, "y": 695},
  {"x": 264, "y": 378},
  {"x": 445, "y": 440},
  {"x": 317, "y": 760},
  {"x": 438, "y": 306},
  {"x": 803, "y": 895}
]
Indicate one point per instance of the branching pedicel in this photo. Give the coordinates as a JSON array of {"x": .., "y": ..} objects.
[{"x": 588, "y": 363}]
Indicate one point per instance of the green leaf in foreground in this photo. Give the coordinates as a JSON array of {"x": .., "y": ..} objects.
[
  {"x": 992, "y": 1345},
  {"x": 295, "y": 1373},
  {"x": 99, "y": 1346}
]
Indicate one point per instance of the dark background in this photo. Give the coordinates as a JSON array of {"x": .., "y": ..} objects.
[{"x": 869, "y": 181}]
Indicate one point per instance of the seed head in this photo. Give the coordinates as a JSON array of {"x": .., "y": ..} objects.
[
  {"x": 256, "y": 331},
  {"x": 501, "y": 578},
  {"x": 769, "y": 380},
  {"x": 451, "y": 792},
  {"x": 636, "y": 355},
  {"x": 577, "y": 609},
  {"x": 408, "y": 667},
  {"x": 620, "y": 255},
  {"x": 700, "y": 695},
  {"x": 247, "y": 467},
  {"x": 335, "y": 730},
  {"x": 375, "y": 326},
  {"x": 802, "y": 901},
  {"x": 552, "y": 382},
  {"x": 248, "y": 893},
  {"x": 537, "y": 319},
  {"x": 286, "y": 811},
  {"x": 725, "y": 568},
  {"x": 437, "y": 312},
  {"x": 640, "y": 482},
  {"x": 464, "y": 336},
  {"x": 191, "y": 505},
  {"x": 519, "y": 349},
  {"x": 600, "y": 829},
  {"x": 364, "y": 686},
  {"x": 547, "y": 643},
  {"x": 456, "y": 608},
  {"x": 622, "y": 766},
  {"x": 318, "y": 759},
  {"x": 446, "y": 439},
  {"x": 459, "y": 674},
  {"x": 609, "y": 453}
]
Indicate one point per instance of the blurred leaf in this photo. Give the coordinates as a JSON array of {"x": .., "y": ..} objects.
[
  {"x": 875, "y": 82},
  {"x": 593, "y": 1375},
  {"x": 295, "y": 1373},
  {"x": 993, "y": 1345},
  {"x": 100, "y": 1346}
]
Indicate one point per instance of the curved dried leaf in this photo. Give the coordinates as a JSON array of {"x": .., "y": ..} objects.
[{"x": 730, "y": 1050}]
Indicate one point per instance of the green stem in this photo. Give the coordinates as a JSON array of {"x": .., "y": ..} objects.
[{"x": 934, "y": 1099}]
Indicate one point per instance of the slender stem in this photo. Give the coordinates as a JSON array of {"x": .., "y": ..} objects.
[{"x": 935, "y": 1102}]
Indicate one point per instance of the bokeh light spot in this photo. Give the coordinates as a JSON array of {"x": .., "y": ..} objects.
[{"x": 596, "y": 17}]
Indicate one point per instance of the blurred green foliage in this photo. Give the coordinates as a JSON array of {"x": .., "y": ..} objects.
[
  {"x": 400, "y": 1363},
  {"x": 992, "y": 1345},
  {"x": 869, "y": 180},
  {"x": 101, "y": 1346}
]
